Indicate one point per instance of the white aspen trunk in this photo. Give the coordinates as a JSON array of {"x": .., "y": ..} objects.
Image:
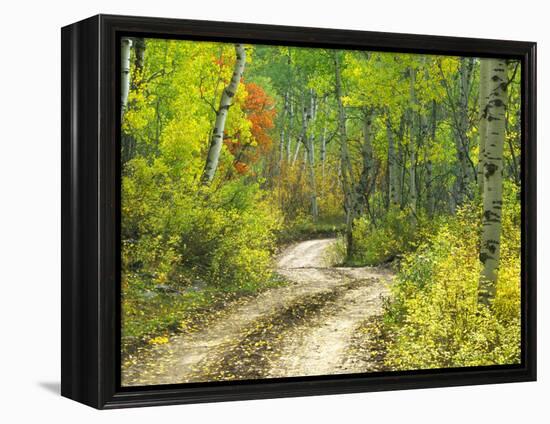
[
  {"x": 345, "y": 163},
  {"x": 401, "y": 162},
  {"x": 492, "y": 179},
  {"x": 412, "y": 145},
  {"x": 295, "y": 158},
  {"x": 323, "y": 154},
  {"x": 312, "y": 118},
  {"x": 282, "y": 132},
  {"x": 412, "y": 181},
  {"x": 361, "y": 188},
  {"x": 392, "y": 190},
  {"x": 393, "y": 173},
  {"x": 313, "y": 182},
  {"x": 125, "y": 47},
  {"x": 430, "y": 199},
  {"x": 226, "y": 100},
  {"x": 303, "y": 133},
  {"x": 309, "y": 139},
  {"x": 289, "y": 130},
  {"x": 483, "y": 98},
  {"x": 323, "y": 148},
  {"x": 462, "y": 141}
]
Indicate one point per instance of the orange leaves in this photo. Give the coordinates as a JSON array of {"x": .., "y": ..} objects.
[
  {"x": 241, "y": 167},
  {"x": 259, "y": 109}
]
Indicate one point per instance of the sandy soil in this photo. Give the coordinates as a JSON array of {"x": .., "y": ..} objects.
[{"x": 303, "y": 328}]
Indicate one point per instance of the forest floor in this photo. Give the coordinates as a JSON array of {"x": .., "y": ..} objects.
[{"x": 324, "y": 321}]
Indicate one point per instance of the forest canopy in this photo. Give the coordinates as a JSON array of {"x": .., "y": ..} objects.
[{"x": 231, "y": 151}]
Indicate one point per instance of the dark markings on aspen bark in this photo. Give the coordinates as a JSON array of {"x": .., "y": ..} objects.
[
  {"x": 483, "y": 257},
  {"x": 490, "y": 169}
]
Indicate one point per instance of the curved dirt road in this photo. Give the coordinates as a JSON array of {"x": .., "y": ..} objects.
[{"x": 307, "y": 327}]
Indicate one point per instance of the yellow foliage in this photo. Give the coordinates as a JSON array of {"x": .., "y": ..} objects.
[
  {"x": 435, "y": 317},
  {"x": 159, "y": 340}
]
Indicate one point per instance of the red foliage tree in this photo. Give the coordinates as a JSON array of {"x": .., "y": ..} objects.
[{"x": 260, "y": 111}]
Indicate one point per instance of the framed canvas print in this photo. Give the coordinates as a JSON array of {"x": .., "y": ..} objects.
[{"x": 255, "y": 211}]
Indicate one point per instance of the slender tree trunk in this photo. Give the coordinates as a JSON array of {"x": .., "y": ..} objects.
[
  {"x": 412, "y": 178},
  {"x": 401, "y": 159},
  {"x": 323, "y": 143},
  {"x": 282, "y": 132},
  {"x": 125, "y": 48},
  {"x": 139, "y": 50},
  {"x": 311, "y": 157},
  {"x": 492, "y": 179},
  {"x": 483, "y": 99},
  {"x": 228, "y": 94},
  {"x": 514, "y": 162},
  {"x": 430, "y": 199},
  {"x": 462, "y": 124},
  {"x": 313, "y": 182},
  {"x": 323, "y": 151},
  {"x": 362, "y": 189},
  {"x": 129, "y": 145},
  {"x": 307, "y": 139},
  {"x": 295, "y": 158},
  {"x": 393, "y": 178},
  {"x": 289, "y": 129},
  {"x": 412, "y": 144},
  {"x": 345, "y": 163}
]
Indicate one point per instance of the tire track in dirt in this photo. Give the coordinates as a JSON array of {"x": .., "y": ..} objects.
[{"x": 283, "y": 329}]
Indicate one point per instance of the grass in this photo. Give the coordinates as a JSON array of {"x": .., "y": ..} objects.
[{"x": 306, "y": 229}]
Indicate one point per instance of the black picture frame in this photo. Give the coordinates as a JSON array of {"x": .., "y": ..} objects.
[{"x": 91, "y": 213}]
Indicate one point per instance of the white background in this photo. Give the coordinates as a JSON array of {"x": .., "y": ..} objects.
[{"x": 30, "y": 211}]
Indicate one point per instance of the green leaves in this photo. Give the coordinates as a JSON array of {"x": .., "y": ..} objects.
[
  {"x": 435, "y": 318},
  {"x": 185, "y": 244}
]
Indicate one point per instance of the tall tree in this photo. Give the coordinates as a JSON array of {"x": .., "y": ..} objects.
[
  {"x": 308, "y": 140},
  {"x": 492, "y": 178},
  {"x": 138, "y": 44},
  {"x": 216, "y": 141},
  {"x": 462, "y": 127},
  {"x": 366, "y": 178},
  {"x": 393, "y": 166},
  {"x": 413, "y": 141},
  {"x": 125, "y": 49},
  {"x": 430, "y": 142},
  {"x": 346, "y": 169},
  {"x": 482, "y": 128}
]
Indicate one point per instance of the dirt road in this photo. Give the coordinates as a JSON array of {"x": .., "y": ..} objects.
[{"x": 307, "y": 327}]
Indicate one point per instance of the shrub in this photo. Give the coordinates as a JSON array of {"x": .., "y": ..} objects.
[
  {"x": 434, "y": 315},
  {"x": 184, "y": 246},
  {"x": 391, "y": 236}
]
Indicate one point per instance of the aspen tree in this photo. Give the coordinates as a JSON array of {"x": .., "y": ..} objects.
[
  {"x": 126, "y": 45},
  {"x": 492, "y": 178},
  {"x": 345, "y": 162},
  {"x": 226, "y": 100},
  {"x": 393, "y": 178},
  {"x": 412, "y": 142},
  {"x": 483, "y": 97}
]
